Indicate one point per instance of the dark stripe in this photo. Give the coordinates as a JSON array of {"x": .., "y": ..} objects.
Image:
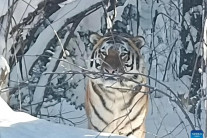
[
  {"x": 109, "y": 97},
  {"x": 131, "y": 100},
  {"x": 132, "y": 62},
  {"x": 137, "y": 62},
  {"x": 135, "y": 117},
  {"x": 128, "y": 56},
  {"x": 97, "y": 114},
  {"x": 133, "y": 130},
  {"x": 97, "y": 64},
  {"x": 102, "y": 99},
  {"x": 95, "y": 126},
  {"x": 130, "y": 65},
  {"x": 92, "y": 58}
]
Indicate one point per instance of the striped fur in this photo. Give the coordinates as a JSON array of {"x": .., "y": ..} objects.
[{"x": 115, "y": 103}]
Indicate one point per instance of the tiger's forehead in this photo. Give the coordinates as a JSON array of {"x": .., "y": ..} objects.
[
  {"x": 116, "y": 46},
  {"x": 116, "y": 41}
]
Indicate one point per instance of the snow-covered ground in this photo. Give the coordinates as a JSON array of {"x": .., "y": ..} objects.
[{"x": 22, "y": 125}]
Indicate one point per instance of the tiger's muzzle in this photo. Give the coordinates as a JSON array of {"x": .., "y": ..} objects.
[{"x": 112, "y": 63}]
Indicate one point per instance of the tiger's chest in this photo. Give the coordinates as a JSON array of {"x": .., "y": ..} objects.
[{"x": 111, "y": 110}]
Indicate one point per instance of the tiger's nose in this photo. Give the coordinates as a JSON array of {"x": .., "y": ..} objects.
[{"x": 111, "y": 71}]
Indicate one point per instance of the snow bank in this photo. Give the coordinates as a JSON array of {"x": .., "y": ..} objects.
[{"x": 19, "y": 124}]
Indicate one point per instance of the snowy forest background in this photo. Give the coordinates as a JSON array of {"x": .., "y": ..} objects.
[{"x": 46, "y": 43}]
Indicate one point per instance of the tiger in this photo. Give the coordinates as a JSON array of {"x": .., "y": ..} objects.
[{"x": 116, "y": 98}]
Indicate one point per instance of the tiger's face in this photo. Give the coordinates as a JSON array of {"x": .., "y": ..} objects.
[{"x": 117, "y": 57}]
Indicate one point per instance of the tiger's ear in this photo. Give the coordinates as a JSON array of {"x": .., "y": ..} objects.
[
  {"x": 94, "y": 37},
  {"x": 139, "y": 41}
]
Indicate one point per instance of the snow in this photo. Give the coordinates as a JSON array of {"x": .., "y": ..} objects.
[
  {"x": 48, "y": 33},
  {"x": 22, "y": 125},
  {"x": 163, "y": 117},
  {"x": 3, "y": 7},
  {"x": 39, "y": 91}
]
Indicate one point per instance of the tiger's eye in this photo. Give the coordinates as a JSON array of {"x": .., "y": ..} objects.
[
  {"x": 103, "y": 53},
  {"x": 123, "y": 54}
]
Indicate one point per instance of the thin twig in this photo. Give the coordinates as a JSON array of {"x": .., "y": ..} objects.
[{"x": 168, "y": 58}]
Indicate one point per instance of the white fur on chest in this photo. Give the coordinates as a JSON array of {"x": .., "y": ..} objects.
[{"x": 115, "y": 101}]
